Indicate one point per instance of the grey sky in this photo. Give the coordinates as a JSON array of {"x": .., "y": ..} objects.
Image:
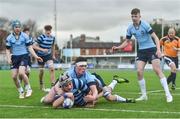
[{"x": 106, "y": 18}]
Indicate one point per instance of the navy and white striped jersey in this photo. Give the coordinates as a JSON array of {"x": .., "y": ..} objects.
[
  {"x": 80, "y": 89},
  {"x": 45, "y": 42}
]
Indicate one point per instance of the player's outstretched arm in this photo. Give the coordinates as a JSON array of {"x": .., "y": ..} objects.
[
  {"x": 123, "y": 45},
  {"x": 93, "y": 94},
  {"x": 36, "y": 47},
  {"x": 34, "y": 54}
]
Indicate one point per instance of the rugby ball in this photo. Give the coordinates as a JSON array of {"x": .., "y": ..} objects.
[{"x": 68, "y": 103}]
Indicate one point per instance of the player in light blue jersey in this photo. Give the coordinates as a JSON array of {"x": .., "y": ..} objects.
[
  {"x": 27, "y": 31},
  {"x": 17, "y": 46},
  {"x": 46, "y": 41},
  {"x": 65, "y": 87},
  {"x": 79, "y": 71},
  {"x": 149, "y": 51}
]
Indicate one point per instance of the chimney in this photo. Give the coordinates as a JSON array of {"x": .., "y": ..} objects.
[
  {"x": 82, "y": 38},
  {"x": 97, "y": 38}
]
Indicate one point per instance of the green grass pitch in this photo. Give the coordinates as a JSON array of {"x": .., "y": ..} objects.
[{"x": 156, "y": 106}]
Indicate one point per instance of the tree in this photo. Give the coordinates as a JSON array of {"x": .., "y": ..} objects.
[
  {"x": 158, "y": 30},
  {"x": 32, "y": 27}
]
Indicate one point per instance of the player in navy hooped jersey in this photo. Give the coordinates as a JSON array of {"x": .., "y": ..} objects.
[
  {"x": 67, "y": 87},
  {"x": 46, "y": 41},
  {"x": 83, "y": 78}
]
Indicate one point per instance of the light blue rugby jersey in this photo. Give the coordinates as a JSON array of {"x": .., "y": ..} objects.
[
  {"x": 45, "y": 42},
  {"x": 142, "y": 35},
  {"x": 87, "y": 78},
  {"x": 32, "y": 42},
  {"x": 18, "y": 46}
]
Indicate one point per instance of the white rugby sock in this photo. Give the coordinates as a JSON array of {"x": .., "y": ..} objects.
[
  {"x": 112, "y": 84},
  {"x": 27, "y": 87},
  {"x": 120, "y": 99},
  {"x": 142, "y": 85},
  {"x": 20, "y": 90},
  {"x": 165, "y": 86}
]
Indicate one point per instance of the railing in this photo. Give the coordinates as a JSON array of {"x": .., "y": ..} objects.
[{"x": 113, "y": 55}]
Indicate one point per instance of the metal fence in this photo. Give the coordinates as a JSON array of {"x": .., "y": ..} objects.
[{"x": 3, "y": 61}]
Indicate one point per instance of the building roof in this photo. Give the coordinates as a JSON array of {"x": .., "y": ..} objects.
[{"x": 92, "y": 45}]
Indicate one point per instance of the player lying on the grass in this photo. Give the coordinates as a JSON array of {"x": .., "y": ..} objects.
[
  {"x": 79, "y": 92},
  {"x": 79, "y": 71},
  {"x": 59, "y": 92},
  {"x": 106, "y": 91},
  {"x": 67, "y": 87}
]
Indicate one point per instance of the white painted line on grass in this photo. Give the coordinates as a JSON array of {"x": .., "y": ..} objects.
[
  {"x": 92, "y": 109},
  {"x": 135, "y": 93},
  {"x": 136, "y": 111},
  {"x": 156, "y": 91},
  {"x": 23, "y": 106},
  {"x": 153, "y": 92}
]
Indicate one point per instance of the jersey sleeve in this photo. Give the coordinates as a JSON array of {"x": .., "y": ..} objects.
[
  {"x": 90, "y": 80},
  {"x": 147, "y": 27},
  {"x": 39, "y": 39},
  {"x": 128, "y": 33},
  {"x": 54, "y": 40},
  {"x": 27, "y": 40},
  {"x": 8, "y": 43}
]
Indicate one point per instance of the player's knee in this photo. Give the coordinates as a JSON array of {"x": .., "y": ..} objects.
[
  {"x": 51, "y": 69},
  {"x": 21, "y": 74},
  {"x": 174, "y": 70},
  {"x": 140, "y": 72},
  {"x": 109, "y": 98},
  {"x": 157, "y": 70},
  {"x": 14, "y": 76},
  {"x": 41, "y": 71}
]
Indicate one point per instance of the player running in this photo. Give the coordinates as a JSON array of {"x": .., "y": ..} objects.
[
  {"x": 46, "y": 41},
  {"x": 18, "y": 44}
]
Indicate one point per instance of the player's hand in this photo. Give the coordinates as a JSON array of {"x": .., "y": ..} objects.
[
  {"x": 39, "y": 59},
  {"x": 45, "y": 50},
  {"x": 158, "y": 53},
  {"x": 114, "y": 48},
  {"x": 162, "y": 54},
  {"x": 54, "y": 58}
]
